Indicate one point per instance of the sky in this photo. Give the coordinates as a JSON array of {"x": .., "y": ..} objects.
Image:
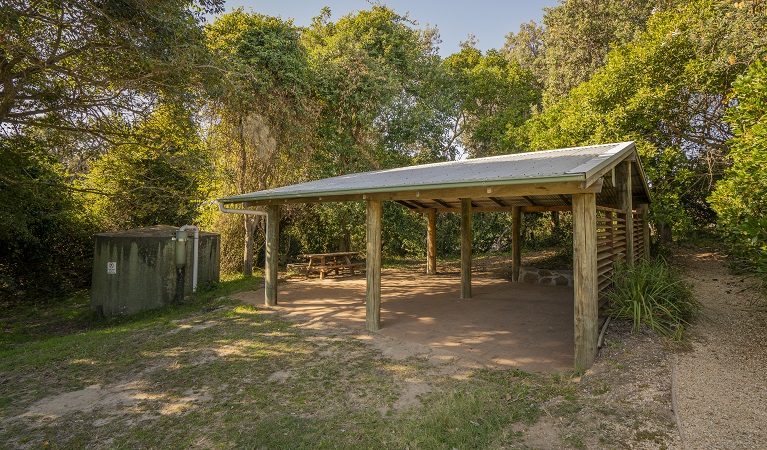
[{"x": 489, "y": 20}]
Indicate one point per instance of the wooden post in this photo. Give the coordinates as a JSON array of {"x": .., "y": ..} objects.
[
  {"x": 465, "y": 248},
  {"x": 585, "y": 286},
  {"x": 373, "y": 265},
  {"x": 516, "y": 234},
  {"x": 623, "y": 186},
  {"x": 272, "y": 248},
  {"x": 431, "y": 242},
  {"x": 646, "y": 229}
]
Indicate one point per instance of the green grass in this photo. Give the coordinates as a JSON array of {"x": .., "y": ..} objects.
[
  {"x": 652, "y": 293},
  {"x": 43, "y": 320}
]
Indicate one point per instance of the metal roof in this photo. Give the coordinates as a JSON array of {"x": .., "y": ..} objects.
[{"x": 583, "y": 165}]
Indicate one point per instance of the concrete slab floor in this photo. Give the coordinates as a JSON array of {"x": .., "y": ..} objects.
[{"x": 505, "y": 324}]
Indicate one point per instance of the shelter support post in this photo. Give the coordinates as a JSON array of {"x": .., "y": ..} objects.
[
  {"x": 623, "y": 188},
  {"x": 465, "y": 248},
  {"x": 272, "y": 247},
  {"x": 645, "y": 208},
  {"x": 431, "y": 242},
  {"x": 516, "y": 240},
  {"x": 585, "y": 287},
  {"x": 373, "y": 266}
]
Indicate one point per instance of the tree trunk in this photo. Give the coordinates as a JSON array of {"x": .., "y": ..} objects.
[
  {"x": 250, "y": 230},
  {"x": 664, "y": 232}
]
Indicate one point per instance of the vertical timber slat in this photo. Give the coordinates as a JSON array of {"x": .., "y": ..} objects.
[
  {"x": 623, "y": 181},
  {"x": 272, "y": 247},
  {"x": 585, "y": 286},
  {"x": 465, "y": 248},
  {"x": 611, "y": 238},
  {"x": 646, "y": 229},
  {"x": 431, "y": 242},
  {"x": 516, "y": 250},
  {"x": 373, "y": 266}
]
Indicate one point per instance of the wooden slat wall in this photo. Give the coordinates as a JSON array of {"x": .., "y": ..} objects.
[
  {"x": 611, "y": 243},
  {"x": 639, "y": 243},
  {"x": 611, "y": 246}
]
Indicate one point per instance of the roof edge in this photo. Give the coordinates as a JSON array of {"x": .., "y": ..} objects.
[{"x": 349, "y": 192}]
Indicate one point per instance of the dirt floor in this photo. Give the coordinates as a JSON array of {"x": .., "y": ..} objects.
[{"x": 504, "y": 324}]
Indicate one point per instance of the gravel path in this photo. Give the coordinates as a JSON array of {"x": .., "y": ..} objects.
[{"x": 721, "y": 384}]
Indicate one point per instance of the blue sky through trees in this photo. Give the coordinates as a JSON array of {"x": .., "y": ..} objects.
[{"x": 488, "y": 20}]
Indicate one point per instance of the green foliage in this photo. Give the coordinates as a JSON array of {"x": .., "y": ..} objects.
[
  {"x": 262, "y": 118},
  {"x": 652, "y": 293},
  {"x": 579, "y": 34},
  {"x": 45, "y": 239},
  {"x": 160, "y": 178},
  {"x": 86, "y": 62},
  {"x": 667, "y": 90},
  {"x": 492, "y": 94},
  {"x": 374, "y": 78},
  {"x": 740, "y": 199}
]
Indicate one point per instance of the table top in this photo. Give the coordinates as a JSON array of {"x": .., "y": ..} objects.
[{"x": 339, "y": 254}]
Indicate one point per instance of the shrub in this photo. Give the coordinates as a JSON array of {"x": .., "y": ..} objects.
[{"x": 653, "y": 294}]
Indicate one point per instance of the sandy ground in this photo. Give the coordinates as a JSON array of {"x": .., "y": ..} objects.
[
  {"x": 504, "y": 325},
  {"x": 721, "y": 384}
]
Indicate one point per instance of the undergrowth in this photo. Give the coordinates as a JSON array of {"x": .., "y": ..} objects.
[{"x": 652, "y": 293}]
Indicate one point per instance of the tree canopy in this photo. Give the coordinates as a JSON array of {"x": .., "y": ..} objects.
[{"x": 120, "y": 113}]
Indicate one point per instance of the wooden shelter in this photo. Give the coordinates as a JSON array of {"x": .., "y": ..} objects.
[{"x": 603, "y": 185}]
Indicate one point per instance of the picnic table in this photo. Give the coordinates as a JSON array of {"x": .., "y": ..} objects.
[{"x": 323, "y": 263}]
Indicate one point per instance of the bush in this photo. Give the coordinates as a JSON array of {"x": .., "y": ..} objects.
[
  {"x": 653, "y": 294},
  {"x": 46, "y": 242}
]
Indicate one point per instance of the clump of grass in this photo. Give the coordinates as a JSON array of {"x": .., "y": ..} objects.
[{"x": 652, "y": 293}]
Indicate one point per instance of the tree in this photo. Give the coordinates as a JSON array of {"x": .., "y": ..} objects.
[
  {"x": 376, "y": 81},
  {"x": 261, "y": 122},
  {"x": 740, "y": 198},
  {"x": 78, "y": 65},
  {"x": 45, "y": 238},
  {"x": 527, "y": 48},
  {"x": 579, "y": 35},
  {"x": 161, "y": 177},
  {"x": 371, "y": 72},
  {"x": 491, "y": 94},
  {"x": 668, "y": 91}
]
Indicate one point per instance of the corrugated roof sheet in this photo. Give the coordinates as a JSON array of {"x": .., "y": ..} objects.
[{"x": 569, "y": 164}]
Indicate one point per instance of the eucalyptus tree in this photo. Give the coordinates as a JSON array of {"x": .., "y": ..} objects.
[{"x": 261, "y": 111}]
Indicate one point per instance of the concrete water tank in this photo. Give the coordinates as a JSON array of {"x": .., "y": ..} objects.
[{"x": 136, "y": 270}]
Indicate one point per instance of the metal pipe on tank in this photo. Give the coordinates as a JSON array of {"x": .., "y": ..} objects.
[{"x": 195, "y": 257}]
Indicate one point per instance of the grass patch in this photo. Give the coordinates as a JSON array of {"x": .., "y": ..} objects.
[
  {"x": 42, "y": 320},
  {"x": 652, "y": 293}
]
